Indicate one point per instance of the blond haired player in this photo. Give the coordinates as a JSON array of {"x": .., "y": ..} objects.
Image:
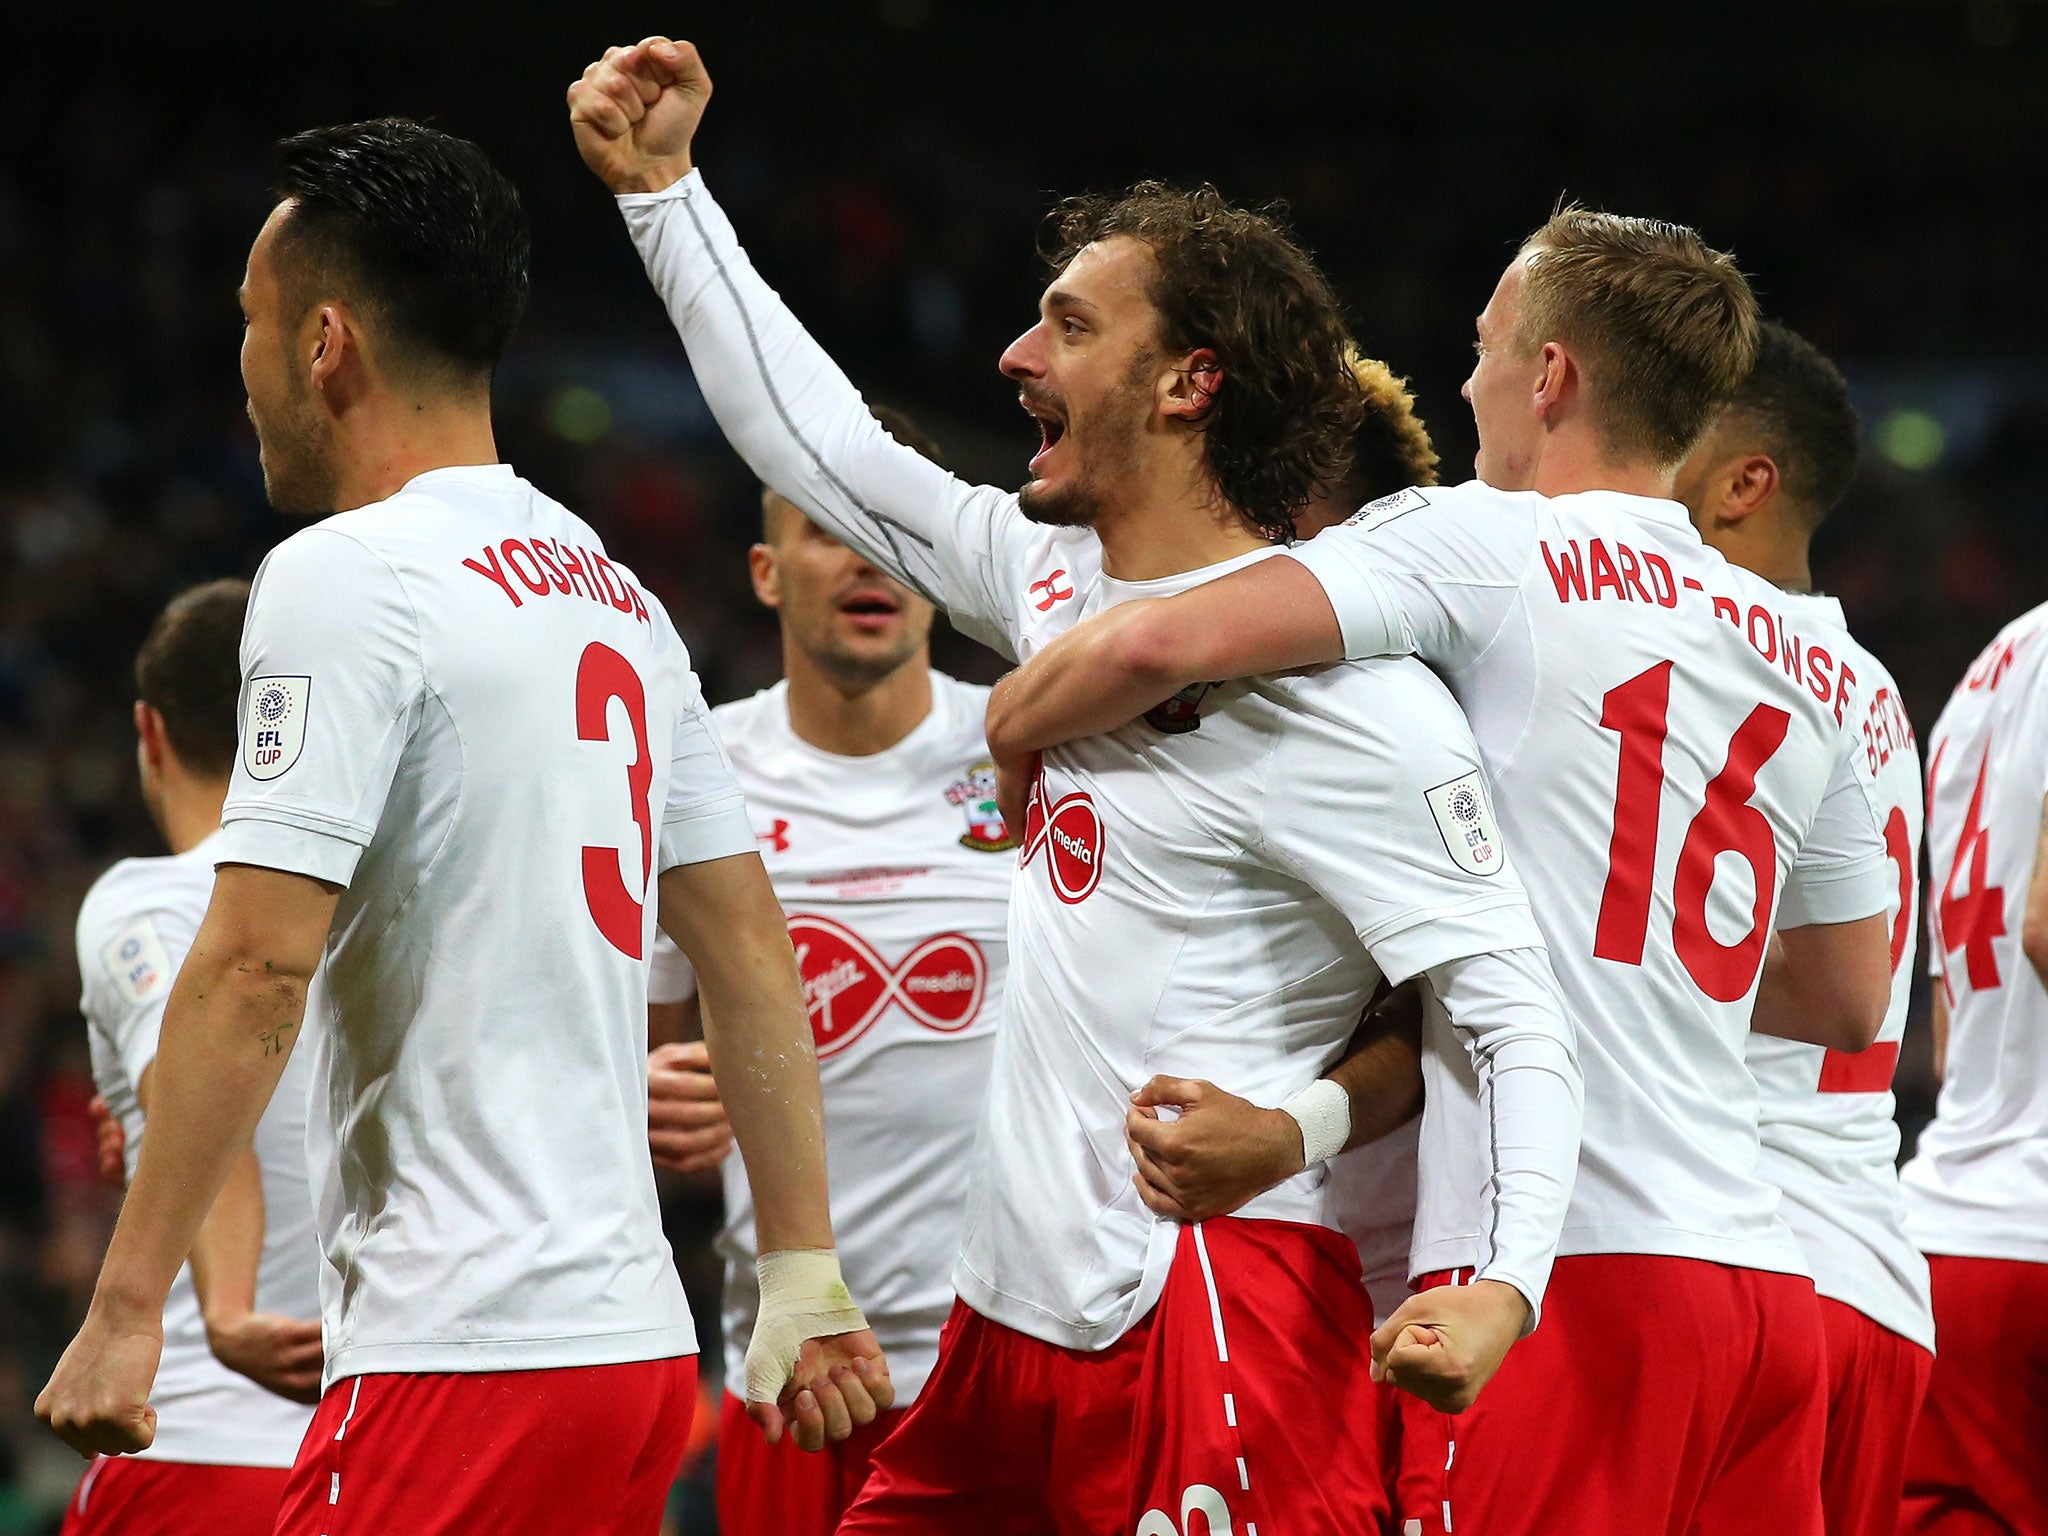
[
  {"x": 1187, "y": 897},
  {"x": 1679, "y": 745},
  {"x": 873, "y": 803},
  {"x": 470, "y": 743},
  {"x": 1977, "y": 1186},
  {"x": 1762, "y": 480},
  {"x": 241, "y": 1337}
]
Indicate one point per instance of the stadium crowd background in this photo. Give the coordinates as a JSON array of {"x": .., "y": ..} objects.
[{"x": 1880, "y": 168}]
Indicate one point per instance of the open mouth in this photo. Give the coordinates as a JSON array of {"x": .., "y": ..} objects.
[
  {"x": 869, "y": 608},
  {"x": 1051, "y": 428}
]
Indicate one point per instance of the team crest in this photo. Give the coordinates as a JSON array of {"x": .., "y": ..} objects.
[
  {"x": 976, "y": 797},
  {"x": 1181, "y": 713}
]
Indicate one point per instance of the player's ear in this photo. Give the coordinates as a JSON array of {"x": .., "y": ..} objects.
[
  {"x": 150, "y": 738},
  {"x": 1559, "y": 377},
  {"x": 761, "y": 567},
  {"x": 334, "y": 354},
  {"x": 1748, "y": 486},
  {"x": 1191, "y": 386}
]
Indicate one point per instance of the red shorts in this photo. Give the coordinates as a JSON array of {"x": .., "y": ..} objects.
[
  {"x": 1243, "y": 1397},
  {"x": 1660, "y": 1397},
  {"x": 778, "y": 1490},
  {"x": 1979, "y": 1458},
  {"x": 1875, "y": 1382},
  {"x": 121, "y": 1496},
  {"x": 586, "y": 1451}
]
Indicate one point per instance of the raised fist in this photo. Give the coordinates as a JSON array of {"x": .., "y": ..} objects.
[{"x": 635, "y": 111}]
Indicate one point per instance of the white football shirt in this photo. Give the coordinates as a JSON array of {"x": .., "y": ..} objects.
[
  {"x": 1830, "y": 1143},
  {"x": 134, "y": 929},
  {"x": 1977, "y": 1186},
  {"x": 895, "y": 872},
  {"x": 1211, "y": 892},
  {"x": 1677, "y": 741},
  {"x": 457, "y": 708}
]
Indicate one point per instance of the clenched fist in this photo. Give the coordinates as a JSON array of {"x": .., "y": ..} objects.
[
  {"x": 98, "y": 1399},
  {"x": 635, "y": 111}
]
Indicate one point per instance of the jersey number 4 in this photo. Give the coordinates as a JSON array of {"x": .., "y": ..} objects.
[
  {"x": 601, "y": 676},
  {"x": 1638, "y": 711}
]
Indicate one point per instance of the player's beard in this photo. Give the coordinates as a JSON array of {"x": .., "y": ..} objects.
[
  {"x": 1108, "y": 443},
  {"x": 299, "y": 475}
]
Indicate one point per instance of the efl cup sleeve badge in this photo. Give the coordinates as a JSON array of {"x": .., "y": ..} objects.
[
  {"x": 1377, "y": 514},
  {"x": 136, "y": 963},
  {"x": 976, "y": 797},
  {"x": 1465, "y": 819},
  {"x": 274, "y": 734}
]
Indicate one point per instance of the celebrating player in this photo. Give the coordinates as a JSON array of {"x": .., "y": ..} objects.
[
  {"x": 874, "y": 806},
  {"x": 1679, "y": 742},
  {"x": 1215, "y": 891},
  {"x": 470, "y": 741},
  {"x": 1765, "y": 475},
  {"x": 224, "y": 1441},
  {"x": 1977, "y": 1187}
]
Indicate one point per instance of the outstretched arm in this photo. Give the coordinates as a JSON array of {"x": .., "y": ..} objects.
[
  {"x": 812, "y": 1358},
  {"x": 781, "y": 401},
  {"x": 1270, "y": 617},
  {"x": 234, "y": 1015}
]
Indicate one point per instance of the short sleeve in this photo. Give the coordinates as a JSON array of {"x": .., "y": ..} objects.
[
  {"x": 1842, "y": 871},
  {"x": 670, "y": 976},
  {"x": 705, "y": 815},
  {"x": 331, "y": 683},
  {"x": 128, "y": 956},
  {"x": 1432, "y": 571},
  {"x": 1378, "y": 802}
]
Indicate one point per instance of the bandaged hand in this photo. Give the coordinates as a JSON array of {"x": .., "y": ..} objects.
[{"x": 813, "y": 1366}]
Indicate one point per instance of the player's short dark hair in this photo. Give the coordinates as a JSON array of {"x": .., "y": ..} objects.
[
  {"x": 1797, "y": 403},
  {"x": 190, "y": 671},
  {"x": 1391, "y": 450},
  {"x": 897, "y": 425},
  {"x": 1278, "y": 432},
  {"x": 417, "y": 226}
]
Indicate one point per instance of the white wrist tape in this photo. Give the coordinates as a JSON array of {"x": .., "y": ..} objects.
[
  {"x": 802, "y": 1297},
  {"x": 1323, "y": 1111}
]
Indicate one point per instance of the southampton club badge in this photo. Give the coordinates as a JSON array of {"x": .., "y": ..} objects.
[
  {"x": 274, "y": 733},
  {"x": 976, "y": 797},
  {"x": 1181, "y": 713},
  {"x": 1465, "y": 821}
]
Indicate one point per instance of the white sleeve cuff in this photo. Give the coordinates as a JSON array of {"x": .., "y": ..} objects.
[
  {"x": 717, "y": 832},
  {"x": 1421, "y": 941},
  {"x": 295, "y": 849},
  {"x": 686, "y": 185},
  {"x": 1371, "y": 624},
  {"x": 1842, "y": 894},
  {"x": 670, "y": 976}
]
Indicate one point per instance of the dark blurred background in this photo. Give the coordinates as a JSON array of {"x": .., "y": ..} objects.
[{"x": 1880, "y": 168}]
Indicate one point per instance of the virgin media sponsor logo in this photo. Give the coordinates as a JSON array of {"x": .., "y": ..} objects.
[
  {"x": 848, "y": 985},
  {"x": 1069, "y": 832}
]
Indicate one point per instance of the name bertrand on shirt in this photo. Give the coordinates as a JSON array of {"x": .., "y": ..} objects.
[
  {"x": 558, "y": 568},
  {"x": 1622, "y": 575}
]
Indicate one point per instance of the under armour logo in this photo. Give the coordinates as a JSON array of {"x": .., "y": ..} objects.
[
  {"x": 1054, "y": 589},
  {"x": 776, "y": 837}
]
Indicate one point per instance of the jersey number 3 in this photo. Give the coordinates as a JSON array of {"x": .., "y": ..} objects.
[
  {"x": 601, "y": 676},
  {"x": 1638, "y": 711}
]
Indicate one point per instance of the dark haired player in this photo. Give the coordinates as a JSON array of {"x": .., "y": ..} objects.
[
  {"x": 1683, "y": 746},
  {"x": 469, "y": 743},
  {"x": 1215, "y": 893},
  {"x": 1764, "y": 477},
  {"x": 873, "y": 801},
  {"x": 239, "y": 1356}
]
